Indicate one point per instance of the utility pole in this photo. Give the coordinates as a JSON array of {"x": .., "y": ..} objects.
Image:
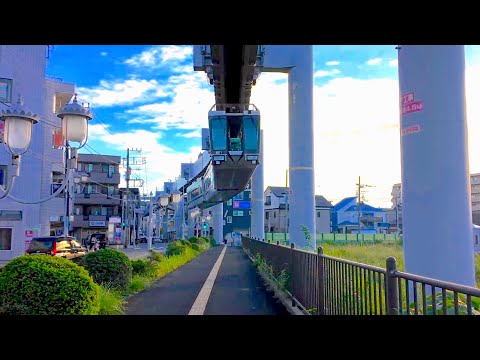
[
  {"x": 150, "y": 212},
  {"x": 286, "y": 203},
  {"x": 359, "y": 208},
  {"x": 128, "y": 224}
]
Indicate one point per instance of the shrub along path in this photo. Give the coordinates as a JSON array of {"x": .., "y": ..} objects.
[{"x": 236, "y": 289}]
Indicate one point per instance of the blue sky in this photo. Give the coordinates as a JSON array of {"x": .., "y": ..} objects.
[{"x": 149, "y": 97}]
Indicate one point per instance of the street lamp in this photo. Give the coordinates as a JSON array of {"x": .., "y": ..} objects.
[
  {"x": 18, "y": 135},
  {"x": 75, "y": 119}
]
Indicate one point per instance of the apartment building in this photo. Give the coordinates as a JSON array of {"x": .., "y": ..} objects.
[{"x": 97, "y": 200}]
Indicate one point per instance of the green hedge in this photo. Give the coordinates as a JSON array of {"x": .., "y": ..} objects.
[
  {"x": 109, "y": 267},
  {"x": 175, "y": 248},
  {"x": 47, "y": 285}
]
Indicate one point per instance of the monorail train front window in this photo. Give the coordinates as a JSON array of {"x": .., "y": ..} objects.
[
  {"x": 250, "y": 134},
  {"x": 218, "y": 129}
]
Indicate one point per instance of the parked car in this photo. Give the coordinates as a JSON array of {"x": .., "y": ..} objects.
[
  {"x": 63, "y": 246},
  {"x": 156, "y": 239},
  {"x": 142, "y": 239}
]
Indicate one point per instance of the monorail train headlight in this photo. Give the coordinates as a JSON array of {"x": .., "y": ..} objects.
[
  {"x": 252, "y": 158},
  {"x": 218, "y": 158}
]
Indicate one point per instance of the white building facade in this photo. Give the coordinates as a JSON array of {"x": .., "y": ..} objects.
[{"x": 22, "y": 71}]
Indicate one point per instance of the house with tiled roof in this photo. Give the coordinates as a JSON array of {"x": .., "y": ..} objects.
[
  {"x": 346, "y": 212},
  {"x": 276, "y": 210}
]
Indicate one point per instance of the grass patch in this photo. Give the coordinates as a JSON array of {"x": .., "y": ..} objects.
[
  {"x": 111, "y": 302},
  {"x": 146, "y": 271}
]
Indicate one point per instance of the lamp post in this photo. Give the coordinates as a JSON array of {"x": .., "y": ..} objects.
[
  {"x": 74, "y": 129},
  {"x": 18, "y": 135}
]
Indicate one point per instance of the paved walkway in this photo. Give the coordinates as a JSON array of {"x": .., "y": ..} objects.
[{"x": 220, "y": 281}]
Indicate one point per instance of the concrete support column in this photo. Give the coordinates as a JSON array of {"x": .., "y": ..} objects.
[
  {"x": 437, "y": 217},
  {"x": 165, "y": 224},
  {"x": 301, "y": 137},
  {"x": 217, "y": 214},
  {"x": 190, "y": 223},
  {"x": 257, "y": 201}
]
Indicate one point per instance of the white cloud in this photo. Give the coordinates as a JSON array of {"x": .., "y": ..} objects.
[
  {"x": 324, "y": 73},
  {"x": 103, "y": 53},
  {"x": 109, "y": 93},
  {"x": 191, "y": 134},
  {"x": 374, "y": 61},
  {"x": 332, "y": 63},
  {"x": 393, "y": 63},
  {"x": 158, "y": 55},
  {"x": 188, "y": 108}
]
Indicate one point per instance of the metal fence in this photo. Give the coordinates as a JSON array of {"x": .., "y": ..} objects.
[
  {"x": 284, "y": 238},
  {"x": 324, "y": 285}
]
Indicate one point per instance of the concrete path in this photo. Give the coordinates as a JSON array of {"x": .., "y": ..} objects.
[{"x": 220, "y": 281}]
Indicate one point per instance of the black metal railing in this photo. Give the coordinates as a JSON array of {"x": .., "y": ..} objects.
[{"x": 324, "y": 285}]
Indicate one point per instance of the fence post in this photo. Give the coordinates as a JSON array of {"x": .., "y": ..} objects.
[
  {"x": 278, "y": 242},
  {"x": 292, "y": 247},
  {"x": 321, "y": 283},
  {"x": 391, "y": 287}
]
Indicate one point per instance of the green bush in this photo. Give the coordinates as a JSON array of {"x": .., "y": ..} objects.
[
  {"x": 139, "y": 266},
  {"x": 109, "y": 267},
  {"x": 195, "y": 240},
  {"x": 47, "y": 285},
  {"x": 196, "y": 247},
  {"x": 175, "y": 248}
]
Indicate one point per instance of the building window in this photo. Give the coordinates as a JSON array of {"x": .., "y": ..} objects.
[
  {"x": 5, "y": 239},
  {"x": 78, "y": 210},
  {"x": 79, "y": 166},
  {"x": 110, "y": 190},
  {"x": 229, "y": 202},
  {"x": 476, "y": 239},
  {"x": 111, "y": 170},
  {"x": 268, "y": 201},
  {"x": 229, "y": 219},
  {"x": 103, "y": 211},
  {"x": 237, "y": 212},
  {"x": 274, "y": 214},
  {"x": 5, "y": 90},
  {"x": 89, "y": 168},
  {"x": 318, "y": 214},
  {"x": 104, "y": 168},
  {"x": 267, "y": 215}
]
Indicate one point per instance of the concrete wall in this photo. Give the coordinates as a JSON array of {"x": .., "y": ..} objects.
[{"x": 25, "y": 65}]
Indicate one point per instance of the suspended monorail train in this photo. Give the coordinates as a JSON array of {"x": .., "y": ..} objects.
[{"x": 234, "y": 147}]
